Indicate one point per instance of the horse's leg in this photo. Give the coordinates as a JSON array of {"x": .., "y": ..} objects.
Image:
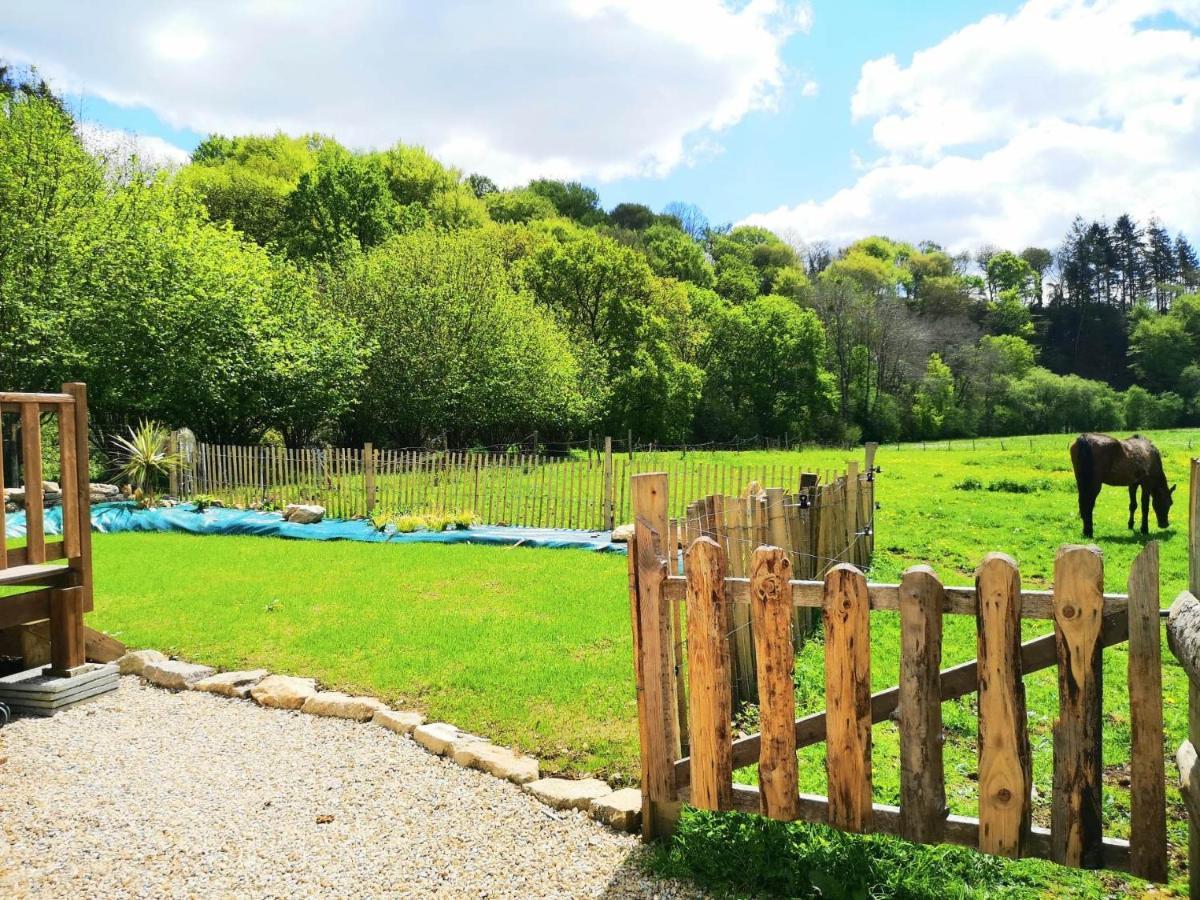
[
  {"x": 1145, "y": 510},
  {"x": 1087, "y": 503},
  {"x": 1132, "y": 503}
]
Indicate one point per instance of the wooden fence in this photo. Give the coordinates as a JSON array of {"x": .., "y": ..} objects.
[
  {"x": 692, "y": 759},
  {"x": 1183, "y": 635},
  {"x": 535, "y": 490},
  {"x": 818, "y": 524}
]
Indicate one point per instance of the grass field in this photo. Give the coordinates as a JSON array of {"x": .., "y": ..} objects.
[{"x": 531, "y": 647}]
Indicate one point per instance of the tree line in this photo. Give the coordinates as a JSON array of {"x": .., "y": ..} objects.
[{"x": 289, "y": 286}]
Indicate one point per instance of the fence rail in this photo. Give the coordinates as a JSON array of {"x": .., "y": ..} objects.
[
  {"x": 528, "y": 489},
  {"x": 690, "y": 757}
]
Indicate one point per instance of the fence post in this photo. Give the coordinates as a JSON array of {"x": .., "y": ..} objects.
[
  {"x": 368, "y": 457},
  {"x": 653, "y": 654},
  {"x": 1193, "y": 689},
  {"x": 609, "y": 523},
  {"x": 173, "y": 471}
]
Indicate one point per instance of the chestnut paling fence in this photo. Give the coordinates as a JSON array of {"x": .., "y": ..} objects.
[
  {"x": 529, "y": 489},
  {"x": 685, "y": 631}
]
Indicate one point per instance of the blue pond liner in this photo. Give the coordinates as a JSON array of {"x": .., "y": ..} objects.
[{"x": 114, "y": 518}]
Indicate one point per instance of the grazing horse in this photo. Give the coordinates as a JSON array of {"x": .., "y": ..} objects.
[{"x": 1099, "y": 459}]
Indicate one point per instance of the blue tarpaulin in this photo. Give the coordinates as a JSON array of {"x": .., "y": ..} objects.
[{"x": 112, "y": 518}]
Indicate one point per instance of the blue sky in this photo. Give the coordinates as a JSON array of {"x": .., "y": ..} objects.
[{"x": 962, "y": 122}]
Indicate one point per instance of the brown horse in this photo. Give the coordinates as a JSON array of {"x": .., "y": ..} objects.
[{"x": 1099, "y": 459}]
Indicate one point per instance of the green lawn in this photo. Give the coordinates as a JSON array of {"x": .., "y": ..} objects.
[{"x": 531, "y": 647}]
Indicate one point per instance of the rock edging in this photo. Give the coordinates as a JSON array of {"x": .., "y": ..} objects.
[{"x": 619, "y": 810}]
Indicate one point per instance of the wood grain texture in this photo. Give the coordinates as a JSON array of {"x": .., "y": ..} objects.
[
  {"x": 31, "y": 462},
  {"x": 82, "y": 562},
  {"x": 1076, "y": 826},
  {"x": 1005, "y": 772},
  {"x": 709, "y": 694},
  {"x": 771, "y": 613},
  {"x": 3, "y": 538},
  {"x": 1147, "y": 790},
  {"x": 923, "y": 807},
  {"x": 957, "y": 681},
  {"x": 657, "y": 708},
  {"x": 846, "y": 615}
]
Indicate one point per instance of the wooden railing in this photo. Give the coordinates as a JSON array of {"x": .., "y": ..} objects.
[
  {"x": 1086, "y": 620},
  {"x": 1183, "y": 636},
  {"x": 55, "y": 576}
]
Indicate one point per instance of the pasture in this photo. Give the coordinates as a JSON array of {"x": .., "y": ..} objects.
[{"x": 532, "y": 647}]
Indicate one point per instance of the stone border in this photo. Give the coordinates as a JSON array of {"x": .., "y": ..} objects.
[{"x": 620, "y": 810}]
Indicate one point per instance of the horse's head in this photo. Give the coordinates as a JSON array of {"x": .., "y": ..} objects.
[{"x": 1162, "y": 498}]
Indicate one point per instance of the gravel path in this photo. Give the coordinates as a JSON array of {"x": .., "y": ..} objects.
[{"x": 152, "y": 794}]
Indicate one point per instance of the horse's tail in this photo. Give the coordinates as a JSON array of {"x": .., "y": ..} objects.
[{"x": 1082, "y": 460}]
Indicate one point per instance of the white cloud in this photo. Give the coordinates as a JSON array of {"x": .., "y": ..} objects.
[
  {"x": 119, "y": 146},
  {"x": 1006, "y": 129},
  {"x": 596, "y": 89}
]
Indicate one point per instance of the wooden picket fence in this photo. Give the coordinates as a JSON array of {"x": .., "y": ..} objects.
[
  {"x": 692, "y": 760},
  {"x": 818, "y": 524},
  {"x": 527, "y": 489}
]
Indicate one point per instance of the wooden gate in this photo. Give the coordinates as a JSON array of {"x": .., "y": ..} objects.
[{"x": 697, "y": 683}]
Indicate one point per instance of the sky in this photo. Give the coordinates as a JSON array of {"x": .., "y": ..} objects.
[{"x": 959, "y": 121}]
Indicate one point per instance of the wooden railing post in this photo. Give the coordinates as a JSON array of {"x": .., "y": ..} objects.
[
  {"x": 654, "y": 664},
  {"x": 173, "y": 471}
]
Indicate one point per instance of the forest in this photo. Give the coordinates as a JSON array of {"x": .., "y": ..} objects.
[{"x": 289, "y": 288}]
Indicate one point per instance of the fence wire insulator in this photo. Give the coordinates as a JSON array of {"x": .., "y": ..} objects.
[{"x": 804, "y": 501}]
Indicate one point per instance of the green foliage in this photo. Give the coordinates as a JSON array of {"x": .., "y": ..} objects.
[
  {"x": 573, "y": 200},
  {"x": 144, "y": 459},
  {"x": 672, "y": 254},
  {"x": 453, "y": 348},
  {"x": 738, "y": 854},
  {"x": 520, "y": 206}
]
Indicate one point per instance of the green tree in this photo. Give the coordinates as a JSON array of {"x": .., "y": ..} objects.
[
  {"x": 520, "y": 206},
  {"x": 340, "y": 207},
  {"x": 573, "y": 200},
  {"x": 934, "y": 405},
  {"x": 454, "y": 349},
  {"x": 672, "y": 254}
]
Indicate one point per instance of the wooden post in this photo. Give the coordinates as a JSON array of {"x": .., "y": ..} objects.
[
  {"x": 31, "y": 478},
  {"x": 630, "y": 445},
  {"x": 708, "y": 676},
  {"x": 1147, "y": 789},
  {"x": 1193, "y": 688},
  {"x": 657, "y": 708},
  {"x": 3, "y": 538},
  {"x": 1077, "y": 829},
  {"x": 771, "y": 610},
  {"x": 846, "y": 608},
  {"x": 173, "y": 471},
  {"x": 368, "y": 458},
  {"x": 609, "y": 522},
  {"x": 922, "y": 776},
  {"x": 1005, "y": 765}
]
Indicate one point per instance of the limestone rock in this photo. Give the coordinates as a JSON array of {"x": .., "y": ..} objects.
[
  {"x": 622, "y": 534},
  {"x": 175, "y": 673},
  {"x": 303, "y": 513},
  {"x": 283, "y": 691},
  {"x": 441, "y": 737},
  {"x": 231, "y": 684},
  {"x": 103, "y": 493},
  {"x": 399, "y": 721},
  {"x": 134, "y": 661},
  {"x": 498, "y": 761},
  {"x": 341, "y": 706},
  {"x": 562, "y": 793},
  {"x": 621, "y": 810}
]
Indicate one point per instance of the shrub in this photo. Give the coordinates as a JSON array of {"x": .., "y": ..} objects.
[{"x": 969, "y": 484}]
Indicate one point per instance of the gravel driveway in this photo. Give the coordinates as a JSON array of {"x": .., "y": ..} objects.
[{"x": 147, "y": 793}]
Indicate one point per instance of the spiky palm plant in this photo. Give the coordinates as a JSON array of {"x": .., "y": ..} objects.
[{"x": 145, "y": 458}]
